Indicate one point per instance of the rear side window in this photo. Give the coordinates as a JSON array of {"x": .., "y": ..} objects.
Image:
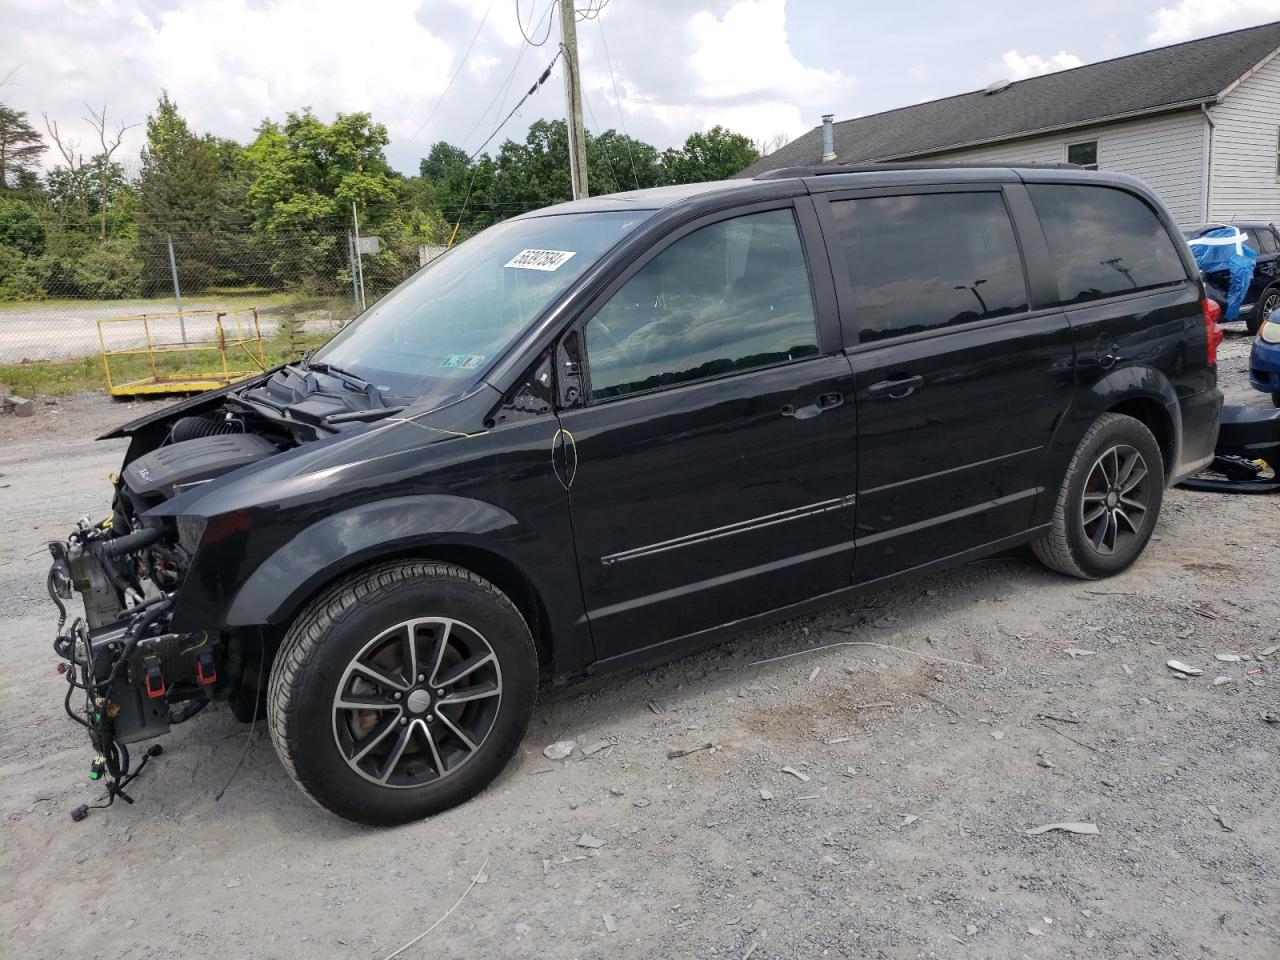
[
  {"x": 924, "y": 261},
  {"x": 1264, "y": 241},
  {"x": 729, "y": 297},
  {"x": 1104, "y": 242}
]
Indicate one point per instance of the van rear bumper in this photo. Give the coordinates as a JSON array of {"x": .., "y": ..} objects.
[{"x": 1201, "y": 414}]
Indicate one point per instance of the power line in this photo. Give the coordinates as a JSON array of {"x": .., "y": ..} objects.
[
  {"x": 532, "y": 90},
  {"x": 592, "y": 12},
  {"x": 449, "y": 85},
  {"x": 616, "y": 99},
  {"x": 520, "y": 23},
  {"x": 502, "y": 92},
  {"x": 475, "y": 169}
]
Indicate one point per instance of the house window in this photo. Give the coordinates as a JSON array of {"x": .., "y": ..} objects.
[{"x": 1085, "y": 154}]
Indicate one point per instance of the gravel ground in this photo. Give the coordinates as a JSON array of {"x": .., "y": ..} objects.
[{"x": 962, "y": 711}]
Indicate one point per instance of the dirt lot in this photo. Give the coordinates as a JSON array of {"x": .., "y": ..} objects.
[{"x": 966, "y": 714}]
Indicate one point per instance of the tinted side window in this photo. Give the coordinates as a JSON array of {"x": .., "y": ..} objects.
[
  {"x": 1104, "y": 241},
  {"x": 929, "y": 260},
  {"x": 1264, "y": 241},
  {"x": 731, "y": 296}
]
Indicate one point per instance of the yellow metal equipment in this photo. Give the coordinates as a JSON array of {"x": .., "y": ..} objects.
[{"x": 186, "y": 352}]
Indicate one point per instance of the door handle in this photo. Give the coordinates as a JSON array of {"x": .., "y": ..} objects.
[
  {"x": 895, "y": 389},
  {"x": 828, "y": 401}
]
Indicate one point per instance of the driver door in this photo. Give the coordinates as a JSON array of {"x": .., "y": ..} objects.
[{"x": 711, "y": 449}]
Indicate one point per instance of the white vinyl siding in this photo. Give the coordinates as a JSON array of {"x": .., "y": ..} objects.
[
  {"x": 1243, "y": 180},
  {"x": 1166, "y": 152}
]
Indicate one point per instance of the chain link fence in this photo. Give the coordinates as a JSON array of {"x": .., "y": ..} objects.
[{"x": 303, "y": 289}]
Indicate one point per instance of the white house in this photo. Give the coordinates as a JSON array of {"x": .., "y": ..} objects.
[{"x": 1198, "y": 121}]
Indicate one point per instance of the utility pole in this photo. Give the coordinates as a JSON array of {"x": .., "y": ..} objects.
[{"x": 573, "y": 101}]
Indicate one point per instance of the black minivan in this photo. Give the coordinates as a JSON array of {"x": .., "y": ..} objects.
[{"x": 615, "y": 429}]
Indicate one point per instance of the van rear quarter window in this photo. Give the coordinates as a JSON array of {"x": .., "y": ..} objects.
[
  {"x": 921, "y": 261},
  {"x": 1104, "y": 241}
]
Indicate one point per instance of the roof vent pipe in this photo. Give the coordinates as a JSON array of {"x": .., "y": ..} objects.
[{"x": 828, "y": 139}]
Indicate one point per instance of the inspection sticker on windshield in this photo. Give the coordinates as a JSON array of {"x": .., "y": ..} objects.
[{"x": 540, "y": 259}]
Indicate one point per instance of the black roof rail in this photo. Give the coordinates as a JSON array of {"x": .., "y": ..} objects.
[{"x": 783, "y": 173}]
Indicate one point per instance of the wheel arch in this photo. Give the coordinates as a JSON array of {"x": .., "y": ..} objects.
[
  {"x": 477, "y": 536},
  {"x": 1145, "y": 394},
  {"x": 1155, "y": 416}
]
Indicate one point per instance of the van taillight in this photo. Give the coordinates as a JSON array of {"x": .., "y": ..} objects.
[{"x": 1213, "y": 331}]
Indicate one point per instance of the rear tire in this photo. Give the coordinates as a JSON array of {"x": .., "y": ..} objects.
[
  {"x": 402, "y": 691},
  {"x": 1109, "y": 502}
]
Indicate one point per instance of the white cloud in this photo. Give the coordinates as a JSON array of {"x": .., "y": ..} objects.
[
  {"x": 1015, "y": 66},
  {"x": 231, "y": 63},
  {"x": 739, "y": 72},
  {"x": 1197, "y": 18}
]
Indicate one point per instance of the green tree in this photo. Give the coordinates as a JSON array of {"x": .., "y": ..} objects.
[
  {"x": 178, "y": 196},
  {"x": 20, "y": 149},
  {"x": 441, "y": 156},
  {"x": 715, "y": 155},
  {"x": 617, "y": 162},
  {"x": 20, "y": 228},
  {"x": 306, "y": 176}
]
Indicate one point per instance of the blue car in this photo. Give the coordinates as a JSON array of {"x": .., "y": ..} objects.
[
  {"x": 1263, "y": 295},
  {"x": 1264, "y": 360}
]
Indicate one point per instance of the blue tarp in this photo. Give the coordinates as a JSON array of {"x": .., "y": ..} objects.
[{"x": 1224, "y": 249}]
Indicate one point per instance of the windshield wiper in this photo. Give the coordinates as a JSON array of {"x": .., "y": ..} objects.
[
  {"x": 346, "y": 376},
  {"x": 354, "y": 416}
]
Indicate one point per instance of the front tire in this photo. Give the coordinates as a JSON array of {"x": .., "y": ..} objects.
[
  {"x": 1268, "y": 305},
  {"x": 1109, "y": 502},
  {"x": 402, "y": 691}
]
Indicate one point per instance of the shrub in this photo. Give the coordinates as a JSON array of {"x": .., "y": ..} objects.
[
  {"x": 21, "y": 278},
  {"x": 20, "y": 228},
  {"x": 109, "y": 270}
]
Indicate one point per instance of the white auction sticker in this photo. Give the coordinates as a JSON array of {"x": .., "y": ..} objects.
[{"x": 540, "y": 259}]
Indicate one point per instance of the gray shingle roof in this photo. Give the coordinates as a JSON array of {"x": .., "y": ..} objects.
[{"x": 1185, "y": 73}]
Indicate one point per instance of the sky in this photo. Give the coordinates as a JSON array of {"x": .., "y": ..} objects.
[{"x": 660, "y": 69}]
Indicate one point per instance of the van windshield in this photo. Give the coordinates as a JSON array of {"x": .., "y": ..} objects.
[{"x": 439, "y": 331}]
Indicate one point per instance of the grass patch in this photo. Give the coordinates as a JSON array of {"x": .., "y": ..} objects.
[{"x": 54, "y": 378}]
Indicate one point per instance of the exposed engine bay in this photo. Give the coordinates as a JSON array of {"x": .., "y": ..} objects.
[{"x": 138, "y": 677}]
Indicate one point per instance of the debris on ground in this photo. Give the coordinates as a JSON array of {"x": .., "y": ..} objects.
[
  {"x": 813, "y": 675},
  {"x": 766, "y": 794},
  {"x": 560, "y": 750},
  {"x": 1222, "y": 681},
  {"x": 1082, "y": 828},
  {"x": 676, "y": 754},
  {"x": 802, "y": 777},
  {"x": 659, "y": 706},
  {"x": 1074, "y": 652},
  {"x": 908, "y": 819},
  {"x": 610, "y": 924},
  {"x": 591, "y": 749},
  {"x": 1180, "y": 667},
  {"x": 590, "y": 842},
  {"x": 997, "y": 734},
  {"x": 1218, "y": 816},
  {"x": 1228, "y": 657}
]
